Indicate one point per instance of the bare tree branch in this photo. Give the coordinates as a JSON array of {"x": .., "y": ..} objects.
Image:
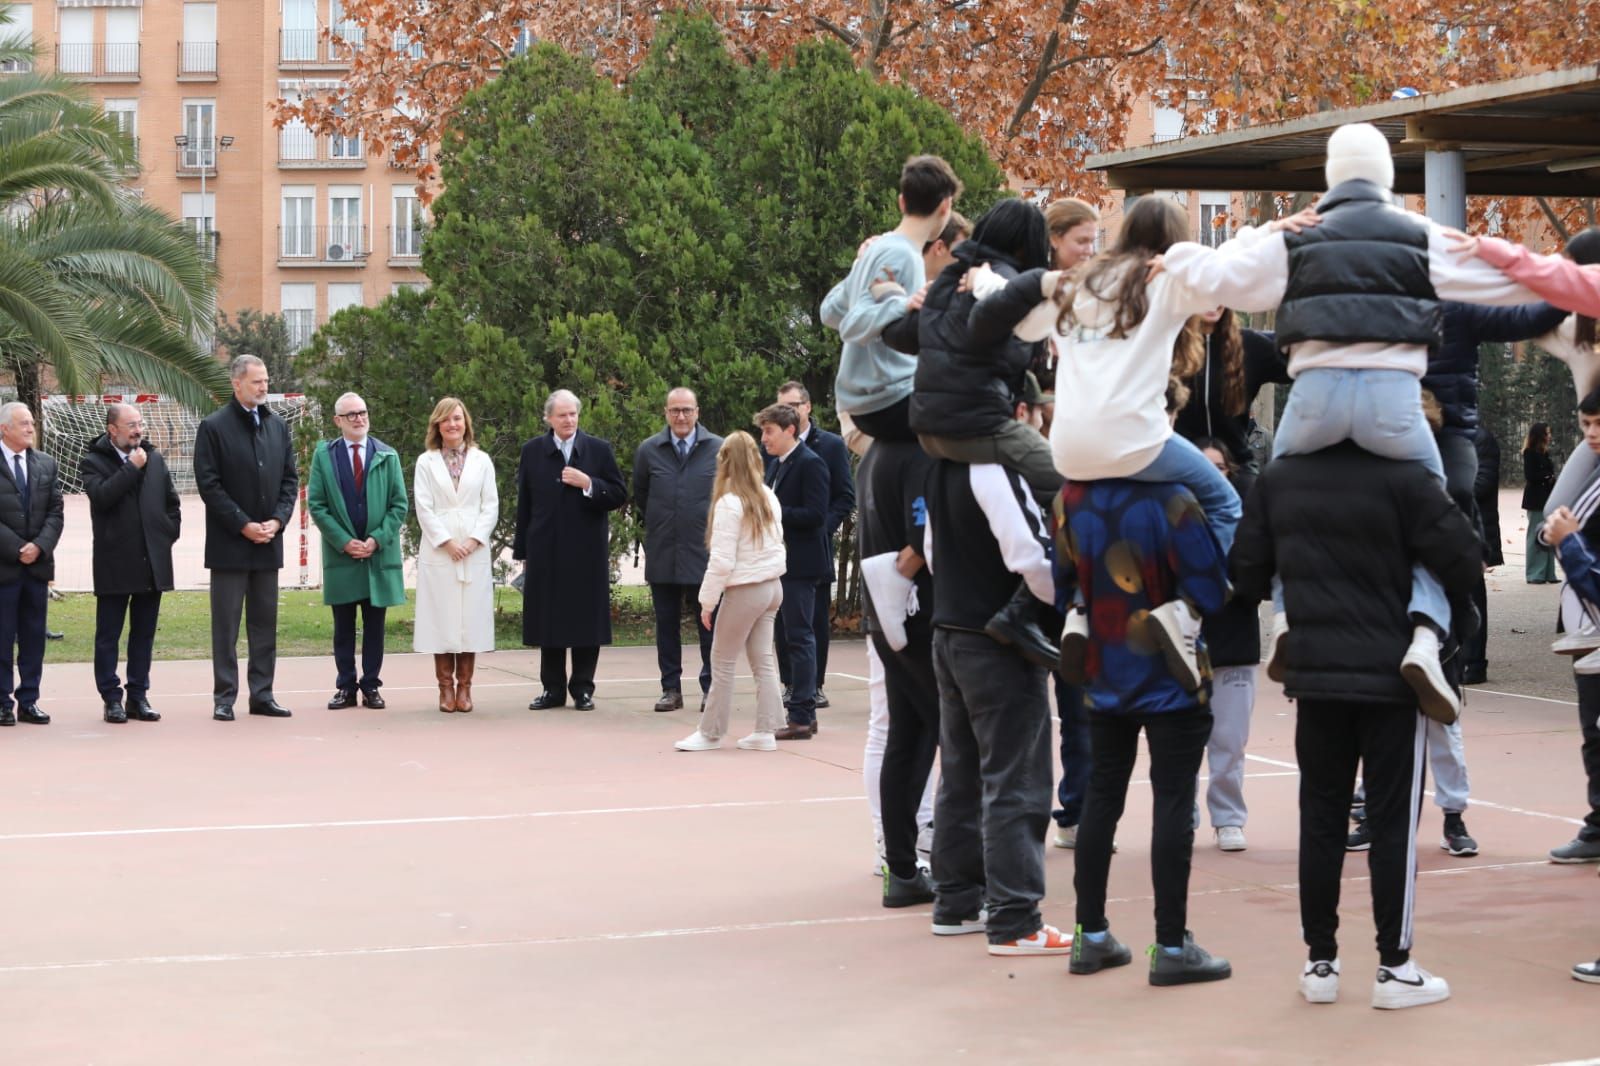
[
  {"x": 1554, "y": 219},
  {"x": 1041, "y": 70},
  {"x": 1075, "y": 60}
]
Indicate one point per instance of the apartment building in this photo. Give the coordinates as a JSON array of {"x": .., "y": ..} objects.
[{"x": 299, "y": 224}]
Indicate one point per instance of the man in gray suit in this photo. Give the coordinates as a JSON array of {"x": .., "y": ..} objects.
[
  {"x": 673, "y": 472},
  {"x": 244, "y": 469},
  {"x": 31, "y": 515}
]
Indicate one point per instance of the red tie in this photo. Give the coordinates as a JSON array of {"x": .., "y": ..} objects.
[{"x": 355, "y": 462}]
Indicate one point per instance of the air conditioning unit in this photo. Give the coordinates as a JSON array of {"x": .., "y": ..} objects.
[{"x": 336, "y": 252}]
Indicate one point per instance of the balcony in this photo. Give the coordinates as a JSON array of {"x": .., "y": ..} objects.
[
  {"x": 99, "y": 62},
  {"x": 405, "y": 245},
  {"x": 312, "y": 50},
  {"x": 206, "y": 242},
  {"x": 300, "y": 149},
  {"x": 198, "y": 158},
  {"x": 197, "y": 60},
  {"x": 323, "y": 246},
  {"x": 395, "y": 162}
]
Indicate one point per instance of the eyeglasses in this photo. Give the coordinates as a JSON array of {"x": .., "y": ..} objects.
[
  {"x": 681, "y": 412},
  {"x": 352, "y": 414}
]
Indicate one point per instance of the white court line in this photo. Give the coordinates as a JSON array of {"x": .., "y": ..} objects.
[
  {"x": 448, "y": 819},
  {"x": 1521, "y": 696},
  {"x": 600, "y": 938},
  {"x": 1575, "y": 1062}
]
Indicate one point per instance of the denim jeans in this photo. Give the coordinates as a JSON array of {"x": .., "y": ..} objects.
[
  {"x": 1181, "y": 462},
  {"x": 1381, "y": 411}
]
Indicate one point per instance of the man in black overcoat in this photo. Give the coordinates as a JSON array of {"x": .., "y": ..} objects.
[
  {"x": 568, "y": 483},
  {"x": 244, "y": 469},
  {"x": 135, "y": 515},
  {"x": 31, "y": 516}
]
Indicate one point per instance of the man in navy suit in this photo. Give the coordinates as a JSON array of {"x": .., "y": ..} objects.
[
  {"x": 800, "y": 479},
  {"x": 830, "y": 448},
  {"x": 31, "y": 515}
]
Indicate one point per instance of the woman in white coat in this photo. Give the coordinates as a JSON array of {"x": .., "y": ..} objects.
[{"x": 457, "y": 506}]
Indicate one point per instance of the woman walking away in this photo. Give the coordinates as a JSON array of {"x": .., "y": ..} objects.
[
  {"x": 457, "y": 506},
  {"x": 1538, "y": 478},
  {"x": 746, "y": 561}
]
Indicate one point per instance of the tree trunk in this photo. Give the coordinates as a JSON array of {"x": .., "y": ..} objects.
[{"x": 29, "y": 378}]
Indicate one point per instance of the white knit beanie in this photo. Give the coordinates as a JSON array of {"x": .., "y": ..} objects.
[{"x": 1359, "y": 150}]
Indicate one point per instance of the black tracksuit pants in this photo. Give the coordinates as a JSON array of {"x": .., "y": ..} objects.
[
  {"x": 1389, "y": 741},
  {"x": 913, "y": 697},
  {"x": 1589, "y": 726}
]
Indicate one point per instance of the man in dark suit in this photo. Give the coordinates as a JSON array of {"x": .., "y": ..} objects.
[
  {"x": 830, "y": 448},
  {"x": 567, "y": 485},
  {"x": 800, "y": 480},
  {"x": 244, "y": 469},
  {"x": 31, "y": 515},
  {"x": 673, "y": 472},
  {"x": 135, "y": 513}
]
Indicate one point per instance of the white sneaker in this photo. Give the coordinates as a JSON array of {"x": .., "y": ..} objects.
[
  {"x": 1277, "y": 652},
  {"x": 1588, "y": 664},
  {"x": 1176, "y": 630},
  {"x": 759, "y": 742},
  {"x": 1407, "y": 986},
  {"x": 1066, "y": 836},
  {"x": 697, "y": 742},
  {"x": 1047, "y": 941},
  {"x": 1422, "y": 672},
  {"x": 1320, "y": 982},
  {"x": 1075, "y": 647},
  {"x": 1230, "y": 838},
  {"x": 891, "y": 593},
  {"x": 1580, "y": 643}
]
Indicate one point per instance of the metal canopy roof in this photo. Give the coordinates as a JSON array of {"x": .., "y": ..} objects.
[{"x": 1533, "y": 136}]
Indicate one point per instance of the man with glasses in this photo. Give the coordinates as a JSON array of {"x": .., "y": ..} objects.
[
  {"x": 357, "y": 497},
  {"x": 673, "y": 472},
  {"x": 135, "y": 515}
]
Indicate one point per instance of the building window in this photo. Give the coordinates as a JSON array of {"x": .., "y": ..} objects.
[
  {"x": 342, "y": 295},
  {"x": 1216, "y": 225},
  {"x": 198, "y": 52},
  {"x": 200, "y": 133},
  {"x": 125, "y": 113},
  {"x": 75, "y": 40},
  {"x": 200, "y": 218},
  {"x": 345, "y": 148},
  {"x": 20, "y": 33},
  {"x": 398, "y": 287},
  {"x": 299, "y": 31},
  {"x": 299, "y": 230},
  {"x": 344, "y": 222},
  {"x": 122, "y": 40},
  {"x": 299, "y": 306},
  {"x": 407, "y": 223}
]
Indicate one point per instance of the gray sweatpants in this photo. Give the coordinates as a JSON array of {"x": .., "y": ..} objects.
[
  {"x": 744, "y": 623},
  {"x": 1233, "y": 697}
]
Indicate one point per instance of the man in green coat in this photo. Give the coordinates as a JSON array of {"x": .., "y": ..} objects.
[{"x": 357, "y": 497}]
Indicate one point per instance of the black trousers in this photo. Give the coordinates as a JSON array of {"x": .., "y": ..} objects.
[
  {"x": 1075, "y": 749},
  {"x": 1475, "y": 652},
  {"x": 913, "y": 697},
  {"x": 140, "y": 610},
  {"x": 1177, "y": 740},
  {"x": 344, "y": 645},
  {"x": 891, "y": 423},
  {"x": 796, "y": 639},
  {"x": 1589, "y": 726},
  {"x": 553, "y": 670},
  {"x": 669, "y": 602},
  {"x": 22, "y": 609},
  {"x": 1389, "y": 741},
  {"x": 821, "y": 630},
  {"x": 255, "y": 592}
]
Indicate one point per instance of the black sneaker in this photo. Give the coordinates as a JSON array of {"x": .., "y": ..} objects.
[
  {"x": 1193, "y": 965},
  {"x": 1090, "y": 957},
  {"x": 1360, "y": 838},
  {"x": 1457, "y": 841},
  {"x": 1587, "y": 971},
  {"x": 906, "y": 891}
]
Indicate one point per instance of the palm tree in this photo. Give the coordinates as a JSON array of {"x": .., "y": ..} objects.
[{"x": 93, "y": 282}]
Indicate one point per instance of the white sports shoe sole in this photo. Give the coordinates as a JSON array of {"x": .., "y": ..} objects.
[
  {"x": 759, "y": 742},
  {"x": 1395, "y": 994},
  {"x": 1426, "y": 677},
  {"x": 1319, "y": 989},
  {"x": 1175, "y": 631}
]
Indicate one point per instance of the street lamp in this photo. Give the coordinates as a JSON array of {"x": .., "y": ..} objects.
[{"x": 225, "y": 144}]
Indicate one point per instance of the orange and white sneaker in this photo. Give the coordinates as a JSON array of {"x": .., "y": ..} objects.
[{"x": 1047, "y": 941}]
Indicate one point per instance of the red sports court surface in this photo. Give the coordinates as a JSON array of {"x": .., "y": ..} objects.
[{"x": 518, "y": 887}]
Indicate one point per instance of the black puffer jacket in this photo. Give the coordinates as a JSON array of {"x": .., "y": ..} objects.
[
  {"x": 1452, "y": 374},
  {"x": 1342, "y": 528},
  {"x": 969, "y": 368}
]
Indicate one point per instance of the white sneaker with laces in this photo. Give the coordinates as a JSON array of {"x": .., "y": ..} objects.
[
  {"x": 1230, "y": 838},
  {"x": 1425, "y": 675},
  {"x": 1587, "y": 665},
  {"x": 697, "y": 741},
  {"x": 1066, "y": 836},
  {"x": 759, "y": 742},
  {"x": 1176, "y": 631},
  {"x": 1405, "y": 986},
  {"x": 1320, "y": 981},
  {"x": 1277, "y": 651},
  {"x": 1580, "y": 643},
  {"x": 891, "y": 593}
]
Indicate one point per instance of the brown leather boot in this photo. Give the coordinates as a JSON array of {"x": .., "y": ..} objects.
[
  {"x": 444, "y": 672},
  {"x": 466, "y": 663}
]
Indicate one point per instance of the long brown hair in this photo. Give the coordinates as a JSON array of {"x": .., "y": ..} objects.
[
  {"x": 739, "y": 472},
  {"x": 441, "y": 411},
  {"x": 1538, "y": 438},
  {"x": 1152, "y": 225},
  {"x": 1584, "y": 249},
  {"x": 1225, "y": 333}
]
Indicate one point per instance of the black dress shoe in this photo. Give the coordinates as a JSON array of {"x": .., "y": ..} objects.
[
  {"x": 114, "y": 712},
  {"x": 270, "y": 709},
  {"x": 545, "y": 701},
  {"x": 671, "y": 700},
  {"x": 139, "y": 710},
  {"x": 51, "y": 634},
  {"x": 219, "y": 713},
  {"x": 822, "y": 700},
  {"x": 370, "y": 698},
  {"x": 30, "y": 713},
  {"x": 1475, "y": 675},
  {"x": 1017, "y": 625},
  {"x": 583, "y": 703},
  {"x": 342, "y": 698},
  {"x": 7, "y": 717}
]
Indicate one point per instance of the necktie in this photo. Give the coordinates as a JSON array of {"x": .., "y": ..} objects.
[
  {"x": 683, "y": 449},
  {"x": 22, "y": 480},
  {"x": 355, "y": 465}
]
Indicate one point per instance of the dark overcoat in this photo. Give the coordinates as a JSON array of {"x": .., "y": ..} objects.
[
  {"x": 245, "y": 473},
  {"x": 564, "y": 536},
  {"x": 673, "y": 498},
  {"x": 41, "y": 524},
  {"x": 135, "y": 515}
]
